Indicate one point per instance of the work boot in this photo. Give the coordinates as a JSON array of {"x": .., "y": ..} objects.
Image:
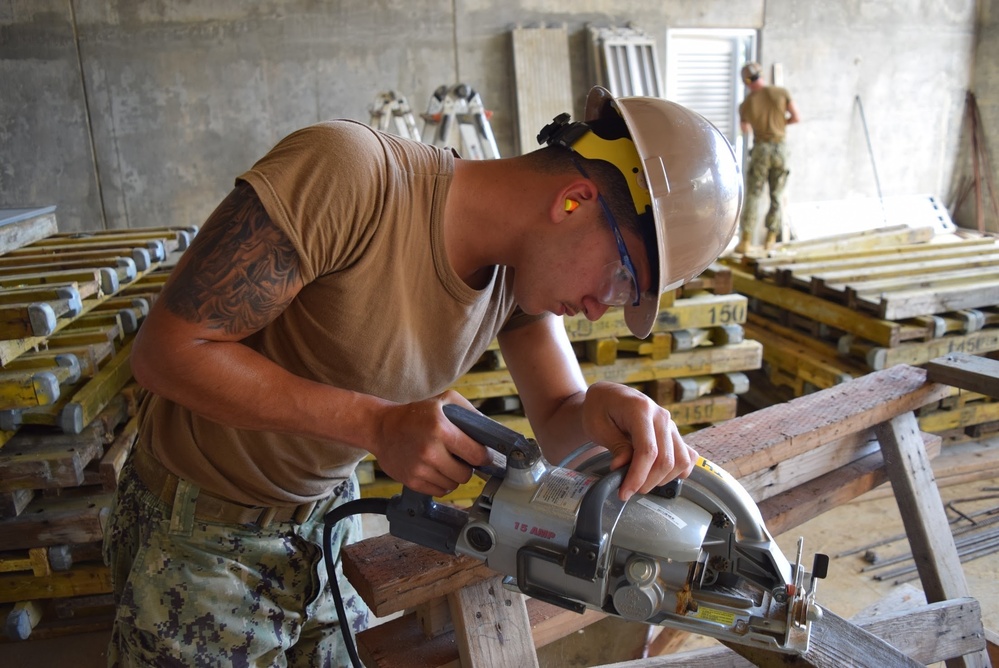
[{"x": 745, "y": 246}]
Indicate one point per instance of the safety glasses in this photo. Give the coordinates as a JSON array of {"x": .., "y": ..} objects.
[{"x": 620, "y": 283}]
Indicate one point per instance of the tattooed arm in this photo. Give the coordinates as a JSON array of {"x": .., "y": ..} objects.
[{"x": 239, "y": 274}]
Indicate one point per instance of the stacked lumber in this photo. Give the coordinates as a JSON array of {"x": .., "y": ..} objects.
[
  {"x": 694, "y": 363},
  {"x": 830, "y": 309},
  {"x": 72, "y": 304}
]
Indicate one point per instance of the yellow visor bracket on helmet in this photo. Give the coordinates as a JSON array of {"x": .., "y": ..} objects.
[{"x": 622, "y": 154}]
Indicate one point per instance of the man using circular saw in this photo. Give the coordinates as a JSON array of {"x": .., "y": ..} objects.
[{"x": 324, "y": 311}]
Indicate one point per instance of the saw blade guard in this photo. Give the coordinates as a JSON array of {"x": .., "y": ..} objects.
[{"x": 711, "y": 486}]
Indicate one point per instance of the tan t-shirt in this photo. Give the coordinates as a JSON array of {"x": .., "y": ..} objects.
[
  {"x": 766, "y": 110},
  {"x": 382, "y": 313}
]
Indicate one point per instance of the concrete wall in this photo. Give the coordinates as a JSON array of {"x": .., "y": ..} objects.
[
  {"x": 132, "y": 113},
  {"x": 985, "y": 87}
]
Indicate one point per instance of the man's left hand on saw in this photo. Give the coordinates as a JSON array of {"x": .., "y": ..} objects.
[{"x": 640, "y": 433}]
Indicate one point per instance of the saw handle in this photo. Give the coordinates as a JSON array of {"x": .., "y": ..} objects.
[{"x": 520, "y": 451}]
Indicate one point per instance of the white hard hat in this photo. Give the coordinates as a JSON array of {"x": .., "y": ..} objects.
[{"x": 683, "y": 169}]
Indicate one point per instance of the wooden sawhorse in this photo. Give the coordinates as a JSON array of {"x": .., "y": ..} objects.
[{"x": 797, "y": 460}]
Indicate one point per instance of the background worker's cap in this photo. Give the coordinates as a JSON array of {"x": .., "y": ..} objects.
[
  {"x": 751, "y": 72},
  {"x": 682, "y": 169}
]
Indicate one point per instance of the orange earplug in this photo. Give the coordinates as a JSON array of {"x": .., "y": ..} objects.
[{"x": 571, "y": 205}]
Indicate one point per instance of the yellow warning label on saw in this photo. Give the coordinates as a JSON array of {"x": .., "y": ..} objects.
[{"x": 716, "y": 616}]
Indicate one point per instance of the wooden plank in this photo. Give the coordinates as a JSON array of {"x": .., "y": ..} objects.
[
  {"x": 401, "y": 642},
  {"x": 704, "y": 310},
  {"x": 817, "y": 262},
  {"x": 81, "y": 404},
  {"x": 984, "y": 341},
  {"x": 923, "y": 516},
  {"x": 123, "y": 267},
  {"x": 968, "y": 372},
  {"x": 886, "y": 260},
  {"x": 13, "y": 348},
  {"x": 176, "y": 239},
  {"x": 64, "y": 369},
  {"x": 861, "y": 278},
  {"x": 391, "y": 574},
  {"x": 802, "y": 468},
  {"x": 921, "y": 508},
  {"x": 56, "y": 521},
  {"x": 491, "y": 626},
  {"x": 13, "y": 503},
  {"x": 793, "y": 507},
  {"x": 90, "y": 357},
  {"x": 40, "y": 255},
  {"x": 880, "y": 331},
  {"x": 49, "y": 461},
  {"x": 83, "y": 580},
  {"x": 992, "y": 646},
  {"x": 69, "y": 292},
  {"x": 966, "y": 276},
  {"x": 116, "y": 454},
  {"x": 80, "y": 336},
  {"x": 766, "y": 437},
  {"x": 717, "y": 359},
  {"x": 704, "y": 410},
  {"x": 965, "y": 417},
  {"x": 12, "y": 562},
  {"x": 158, "y": 246},
  {"x": 39, "y": 318},
  {"x": 835, "y": 643},
  {"x": 550, "y": 622},
  {"x": 20, "y": 227},
  {"x": 850, "y": 242},
  {"x": 710, "y": 360},
  {"x": 910, "y": 303},
  {"x": 26, "y": 389},
  {"x": 693, "y": 413},
  {"x": 58, "y": 277},
  {"x": 803, "y": 361},
  {"x": 187, "y": 231},
  {"x": 927, "y": 634}
]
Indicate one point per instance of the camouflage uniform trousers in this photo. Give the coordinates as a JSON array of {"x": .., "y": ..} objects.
[
  {"x": 195, "y": 593},
  {"x": 767, "y": 167}
]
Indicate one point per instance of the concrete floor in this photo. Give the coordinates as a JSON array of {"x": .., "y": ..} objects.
[{"x": 846, "y": 591}]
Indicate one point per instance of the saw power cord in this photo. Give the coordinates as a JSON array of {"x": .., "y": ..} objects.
[{"x": 356, "y": 507}]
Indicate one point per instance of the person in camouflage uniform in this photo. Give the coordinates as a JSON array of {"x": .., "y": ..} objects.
[{"x": 766, "y": 111}]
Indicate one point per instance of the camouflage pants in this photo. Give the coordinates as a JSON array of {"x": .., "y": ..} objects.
[
  {"x": 195, "y": 593},
  {"x": 767, "y": 167}
]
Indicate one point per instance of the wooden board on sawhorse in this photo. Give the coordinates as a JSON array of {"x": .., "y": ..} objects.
[{"x": 392, "y": 575}]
